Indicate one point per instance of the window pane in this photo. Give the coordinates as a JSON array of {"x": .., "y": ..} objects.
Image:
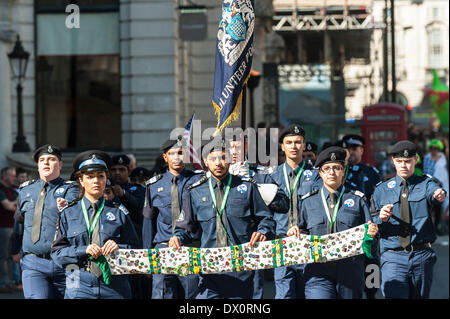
[
  {"x": 98, "y": 34},
  {"x": 78, "y": 101},
  {"x": 78, "y": 2}
]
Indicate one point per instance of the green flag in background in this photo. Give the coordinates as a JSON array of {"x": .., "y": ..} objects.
[{"x": 438, "y": 95}]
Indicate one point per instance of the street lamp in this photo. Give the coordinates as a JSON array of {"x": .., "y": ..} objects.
[{"x": 18, "y": 60}]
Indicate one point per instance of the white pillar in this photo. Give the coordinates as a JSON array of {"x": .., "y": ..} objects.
[{"x": 5, "y": 96}]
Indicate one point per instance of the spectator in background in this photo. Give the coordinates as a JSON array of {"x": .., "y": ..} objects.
[
  {"x": 387, "y": 167},
  {"x": 435, "y": 148},
  {"x": 133, "y": 162},
  {"x": 8, "y": 205},
  {"x": 139, "y": 176},
  {"x": 435, "y": 164},
  {"x": 21, "y": 176}
]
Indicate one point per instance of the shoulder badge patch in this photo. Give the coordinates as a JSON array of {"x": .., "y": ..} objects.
[
  {"x": 349, "y": 203},
  {"x": 391, "y": 184}
]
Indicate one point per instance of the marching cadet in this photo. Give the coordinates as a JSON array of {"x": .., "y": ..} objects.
[
  {"x": 131, "y": 196},
  {"x": 139, "y": 176},
  {"x": 37, "y": 210},
  {"x": 163, "y": 202},
  {"x": 363, "y": 178},
  {"x": 90, "y": 229},
  {"x": 295, "y": 177},
  {"x": 310, "y": 153},
  {"x": 404, "y": 203},
  {"x": 330, "y": 209},
  {"x": 260, "y": 175},
  {"x": 223, "y": 209}
]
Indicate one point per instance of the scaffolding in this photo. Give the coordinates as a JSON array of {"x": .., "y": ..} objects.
[{"x": 322, "y": 15}]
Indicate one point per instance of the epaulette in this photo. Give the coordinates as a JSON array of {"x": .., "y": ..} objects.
[
  {"x": 72, "y": 203},
  {"x": 122, "y": 208},
  {"x": 376, "y": 170},
  {"x": 198, "y": 171},
  {"x": 249, "y": 179},
  {"x": 199, "y": 182},
  {"x": 73, "y": 183},
  {"x": 434, "y": 179},
  {"x": 154, "y": 179},
  {"x": 313, "y": 192},
  {"x": 379, "y": 183},
  {"x": 31, "y": 181},
  {"x": 358, "y": 193}
]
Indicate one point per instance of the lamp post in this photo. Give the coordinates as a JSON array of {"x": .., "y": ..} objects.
[{"x": 18, "y": 60}]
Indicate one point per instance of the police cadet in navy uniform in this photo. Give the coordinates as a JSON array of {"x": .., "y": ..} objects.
[
  {"x": 139, "y": 176},
  {"x": 295, "y": 177},
  {"x": 93, "y": 227},
  {"x": 261, "y": 175},
  {"x": 404, "y": 203},
  {"x": 363, "y": 178},
  {"x": 163, "y": 203},
  {"x": 37, "y": 209},
  {"x": 131, "y": 196},
  {"x": 223, "y": 208},
  {"x": 330, "y": 209},
  {"x": 310, "y": 153}
]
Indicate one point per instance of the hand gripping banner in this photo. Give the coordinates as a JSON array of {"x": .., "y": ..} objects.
[{"x": 268, "y": 254}]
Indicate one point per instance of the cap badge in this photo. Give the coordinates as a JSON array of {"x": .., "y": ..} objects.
[
  {"x": 120, "y": 160},
  {"x": 296, "y": 130},
  {"x": 333, "y": 156},
  {"x": 405, "y": 153},
  {"x": 50, "y": 149},
  {"x": 309, "y": 147}
]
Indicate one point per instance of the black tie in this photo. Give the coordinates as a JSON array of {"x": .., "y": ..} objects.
[
  {"x": 221, "y": 238},
  {"x": 331, "y": 205},
  {"x": 404, "y": 237},
  {"x": 37, "y": 217},
  {"x": 94, "y": 269},
  {"x": 293, "y": 214},
  {"x": 175, "y": 202}
]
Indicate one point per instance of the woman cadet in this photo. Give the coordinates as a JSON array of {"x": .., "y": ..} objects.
[
  {"x": 91, "y": 229},
  {"x": 329, "y": 209}
]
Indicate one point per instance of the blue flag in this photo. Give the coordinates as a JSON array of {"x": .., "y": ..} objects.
[{"x": 234, "y": 56}]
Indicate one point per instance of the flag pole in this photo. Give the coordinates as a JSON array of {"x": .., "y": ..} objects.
[
  {"x": 244, "y": 119},
  {"x": 244, "y": 108}
]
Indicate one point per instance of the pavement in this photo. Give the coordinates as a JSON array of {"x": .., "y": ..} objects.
[{"x": 439, "y": 289}]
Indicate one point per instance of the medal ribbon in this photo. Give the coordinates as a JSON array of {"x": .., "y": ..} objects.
[
  {"x": 90, "y": 228},
  {"x": 286, "y": 179},
  {"x": 224, "y": 201},
  {"x": 332, "y": 219}
]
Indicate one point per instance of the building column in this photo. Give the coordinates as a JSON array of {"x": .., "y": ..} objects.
[
  {"x": 149, "y": 72},
  {"x": 6, "y": 37}
]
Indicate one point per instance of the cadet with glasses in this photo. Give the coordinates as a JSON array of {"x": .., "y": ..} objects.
[{"x": 327, "y": 210}]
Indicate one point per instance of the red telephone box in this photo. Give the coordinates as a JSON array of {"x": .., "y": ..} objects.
[{"x": 382, "y": 124}]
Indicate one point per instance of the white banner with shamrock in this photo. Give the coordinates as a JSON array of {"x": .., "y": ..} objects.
[{"x": 268, "y": 254}]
